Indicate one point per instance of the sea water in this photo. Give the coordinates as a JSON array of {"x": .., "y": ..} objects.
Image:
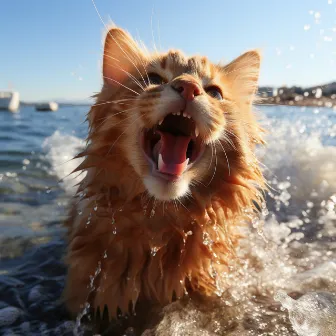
[{"x": 287, "y": 260}]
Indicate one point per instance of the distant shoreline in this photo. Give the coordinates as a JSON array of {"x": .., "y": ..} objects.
[
  {"x": 59, "y": 104},
  {"x": 277, "y": 100},
  {"x": 307, "y": 102}
]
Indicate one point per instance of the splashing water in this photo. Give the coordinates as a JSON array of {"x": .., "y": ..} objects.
[
  {"x": 297, "y": 255},
  {"x": 313, "y": 314},
  {"x": 80, "y": 329},
  {"x": 60, "y": 150},
  {"x": 291, "y": 247}
]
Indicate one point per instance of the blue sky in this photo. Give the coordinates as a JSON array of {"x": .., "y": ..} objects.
[{"x": 51, "y": 49}]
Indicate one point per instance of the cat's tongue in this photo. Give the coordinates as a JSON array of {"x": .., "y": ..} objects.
[{"x": 172, "y": 158}]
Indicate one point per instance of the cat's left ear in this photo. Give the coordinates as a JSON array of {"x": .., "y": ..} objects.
[
  {"x": 122, "y": 57},
  {"x": 243, "y": 74}
]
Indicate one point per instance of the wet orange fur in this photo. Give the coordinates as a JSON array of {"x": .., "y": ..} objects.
[{"x": 145, "y": 248}]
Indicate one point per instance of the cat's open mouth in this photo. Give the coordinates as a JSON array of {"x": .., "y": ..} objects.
[{"x": 173, "y": 145}]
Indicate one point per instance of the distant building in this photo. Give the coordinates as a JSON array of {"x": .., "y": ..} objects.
[
  {"x": 266, "y": 91},
  {"x": 298, "y": 93},
  {"x": 329, "y": 89}
]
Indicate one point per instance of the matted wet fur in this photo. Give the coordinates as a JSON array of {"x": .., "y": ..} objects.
[{"x": 145, "y": 230}]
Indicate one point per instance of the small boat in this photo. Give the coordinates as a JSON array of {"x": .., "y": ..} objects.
[
  {"x": 51, "y": 106},
  {"x": 9, "y": 100}
]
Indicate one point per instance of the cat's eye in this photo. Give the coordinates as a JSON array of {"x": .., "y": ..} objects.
[
  {"x": 154, "y": 79},
  {"x": 214, "y": 92}
]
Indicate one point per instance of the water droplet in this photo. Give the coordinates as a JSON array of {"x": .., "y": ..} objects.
[
  {"x": 95, "y": 208},
  {"x": 89, "y": 219},
  {"x": 152, "y": 213},
  {"x": 80, "y": 212},
  {"x": 206, "y": 239},
  {"x": 114, "y": 231},
  {"x": 317, "y": 15},
  {"x": 48, "y": 191},
  {"x": 112, "y": 220},
  {"x": 189, "y": 233},
  {"x": 154, "y": 250},
  {"x": 310, "y": 204},
  {"x": 105, "y": 254}
]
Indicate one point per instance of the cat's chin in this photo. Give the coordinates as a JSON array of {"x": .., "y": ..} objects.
[{"x": 166, "y": 190}]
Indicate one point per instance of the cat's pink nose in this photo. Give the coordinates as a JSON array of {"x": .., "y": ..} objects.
[{"x": 187, "y": 89}]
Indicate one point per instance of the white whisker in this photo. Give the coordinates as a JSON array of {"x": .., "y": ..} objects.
[
  {"x": 227, "y": 159},
  {"x": 134, "y": 79},
  {"x": 183, "y": 205},
  {"x": 93, "y": 2},
  {"x": 213, "y": 175},
  {"x": 111, "y": 116},
  {"x": 123, "y": 134},
  {"x": 126, "y": 87}
]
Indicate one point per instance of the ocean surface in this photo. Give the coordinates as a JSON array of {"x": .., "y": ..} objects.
[{"x": 291, "y": 249}]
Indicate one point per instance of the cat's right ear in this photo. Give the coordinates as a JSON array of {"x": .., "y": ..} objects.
[{"x": 122, "y": 57}]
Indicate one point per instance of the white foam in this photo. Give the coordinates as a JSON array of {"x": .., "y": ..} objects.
[
  {"x": 60, "y": 150},
  {"x": 314, "y": 314},
  {"x": 300, "y": 160}
]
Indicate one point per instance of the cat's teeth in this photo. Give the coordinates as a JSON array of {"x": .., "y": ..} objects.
[
  {"x": 188, "y": 116},
  {"x": 160, "y": 162},
  {"x": 161, "y": 121},
  {"x": 179, "y": 113},
  {"x": 196, "y": 132}
]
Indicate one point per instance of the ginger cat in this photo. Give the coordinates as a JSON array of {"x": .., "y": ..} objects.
[{"x": 170, "y": 171}]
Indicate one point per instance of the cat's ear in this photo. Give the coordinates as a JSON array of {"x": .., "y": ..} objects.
[
  {"x": 122, "y": 56},
  {"x": 243, "y": 74}
]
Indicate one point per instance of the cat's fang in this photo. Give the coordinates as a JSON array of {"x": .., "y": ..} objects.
[{"x": 196, "y": 132}]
